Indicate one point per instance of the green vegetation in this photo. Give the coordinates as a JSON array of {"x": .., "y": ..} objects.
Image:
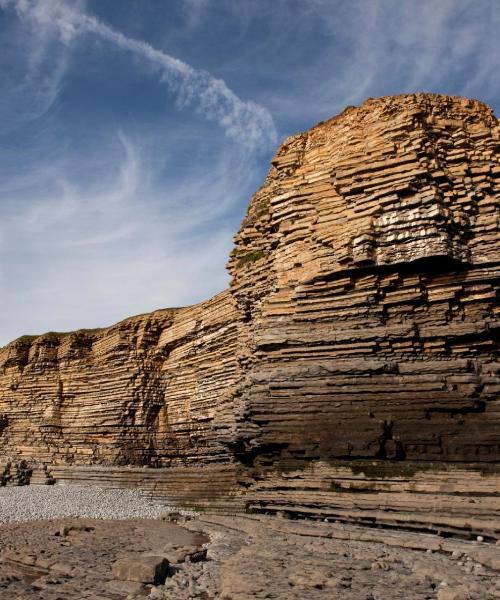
[
  {"x": 24, "y": 339},
  {"x": 347, "y": 108},
  {"x": 250, "y": 257},
  {"x": 56, "y": 334},
  {"x": 262, "y": 208},
  {"x": 381, "y": 469},
  {"x": 252, "y": 510},
  {"x": 488, "y": 469},
  {"x": 94, "y": 330},
  {"x": 53, "y": 335},
  {"x": 256, "y": 210}
]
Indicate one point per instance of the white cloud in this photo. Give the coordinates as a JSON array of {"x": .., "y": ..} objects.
[
  {"x": 194, "y": 11},
  {"x": 245, "y": 121},
  {"x": 89, "y": 251},
  {"x": 93, "y": 233},
  {"x": 371, "y": 48},
  {"x": 33, "y": 63}
]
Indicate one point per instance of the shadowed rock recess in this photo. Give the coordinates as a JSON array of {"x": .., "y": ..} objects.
[{"x": 349, "y": 372}]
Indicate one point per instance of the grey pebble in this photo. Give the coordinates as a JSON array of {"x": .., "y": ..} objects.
[{"x": 33, "y": 502}]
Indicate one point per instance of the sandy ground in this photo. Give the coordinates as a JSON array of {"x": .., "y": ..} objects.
[{"x": 248, "y": 557}]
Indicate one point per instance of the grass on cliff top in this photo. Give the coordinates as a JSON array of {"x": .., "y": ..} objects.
[{"x": 53, "y": 335}]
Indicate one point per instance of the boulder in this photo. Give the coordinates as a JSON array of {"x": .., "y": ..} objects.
[{"x": 143, "y": 569}]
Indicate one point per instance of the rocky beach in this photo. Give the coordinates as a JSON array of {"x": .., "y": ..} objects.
[{"x": 111, "y": 545}]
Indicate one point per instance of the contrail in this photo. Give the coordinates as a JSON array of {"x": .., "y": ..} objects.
[{"x": 245, "y": 121}]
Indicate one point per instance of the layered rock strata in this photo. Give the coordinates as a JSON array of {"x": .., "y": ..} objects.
[
  {"x": 368, "y": 269},
  {"x": 359, "y": 335},
  {"x": 146, "y": 391},
  {"x": 150, "y": 391}
]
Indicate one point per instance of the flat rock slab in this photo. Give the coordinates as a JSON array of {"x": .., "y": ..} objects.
[
  {"x": 257, "y": 557},
  {"x": 73, "y": 558}
]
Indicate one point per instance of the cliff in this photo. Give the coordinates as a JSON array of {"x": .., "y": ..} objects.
[
  {"x": 356, "y": 349},
  {"x": 372, "y": 288}
]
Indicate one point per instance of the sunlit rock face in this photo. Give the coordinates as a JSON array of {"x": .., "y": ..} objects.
[
  {"x": 367, "y": 268},
  {"x": 361, "y": 323},
  {"x": 146, "y": 391}
]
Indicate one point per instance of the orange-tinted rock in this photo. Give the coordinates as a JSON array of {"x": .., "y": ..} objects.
[
  {"x": 148, "y": 390},
  {"x": 368, "y": 269}
]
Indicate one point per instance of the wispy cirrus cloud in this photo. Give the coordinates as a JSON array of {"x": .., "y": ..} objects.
[
  {"x": 95, "y": 223},
  {"x": 32, "y": 66},
  {"x": 243, "y": 120},
  {"x": 366, "y": 48},
  {"x": 86, "y": 252}
]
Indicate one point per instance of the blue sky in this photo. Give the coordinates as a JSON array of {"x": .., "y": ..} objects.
[{"x": 133, "y": 132}]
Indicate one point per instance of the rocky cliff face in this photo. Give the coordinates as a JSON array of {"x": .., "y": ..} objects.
[
  {"x": 368, "y": 268},
  {"x": 147, "y": 391},
  {"x": 361, "y": 325}
]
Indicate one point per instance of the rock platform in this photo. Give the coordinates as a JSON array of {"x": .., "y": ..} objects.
[{"x": 243, "y": 557}]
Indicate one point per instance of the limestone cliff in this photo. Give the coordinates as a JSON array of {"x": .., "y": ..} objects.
[
  {"x": 356, "y": 349},
  {"x": 368, "y": 268},
  {"x": 146, "y": 391}
]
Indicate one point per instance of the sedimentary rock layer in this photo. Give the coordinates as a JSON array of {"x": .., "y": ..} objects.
[
  {"x": 361, "y": 325},
  {"x": 146, "y": 391},
  {"x": 368, "y": 270}
]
